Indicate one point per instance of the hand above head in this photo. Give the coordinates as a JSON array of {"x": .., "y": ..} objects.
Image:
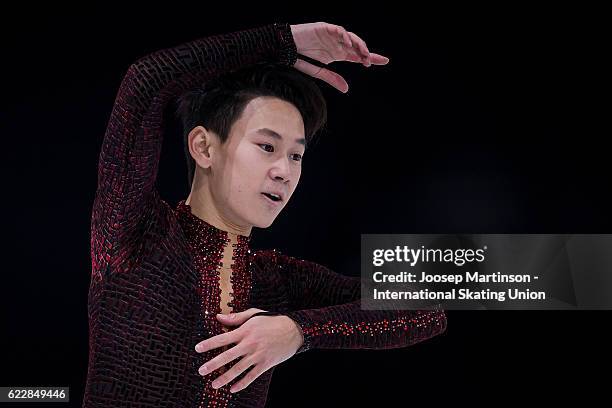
[
  {"x": 261, "y": 342},
  {"x": 327, "y": 43}
]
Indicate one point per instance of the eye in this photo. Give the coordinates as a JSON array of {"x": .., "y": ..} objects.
[
  {"x": 268, "y": 145},
  {"x": 297, "y": 157}
]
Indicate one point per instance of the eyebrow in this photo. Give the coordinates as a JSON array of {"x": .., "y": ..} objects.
[{"x": 270, "y": 132}]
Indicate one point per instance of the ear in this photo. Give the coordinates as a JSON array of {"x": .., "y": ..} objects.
[{"x": 201, "y": 144}]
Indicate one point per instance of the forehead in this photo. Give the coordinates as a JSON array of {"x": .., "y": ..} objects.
[{"x": 273, "y": 113}]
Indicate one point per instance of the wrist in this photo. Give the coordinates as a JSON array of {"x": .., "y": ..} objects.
[
  {"x": 288, "y": 50},
  {"x": 297, "y": 336}
]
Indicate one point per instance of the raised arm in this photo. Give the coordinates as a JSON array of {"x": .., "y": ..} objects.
[
  {"x": 131, "y": 147},
  {"x": 327, "y": 307}
]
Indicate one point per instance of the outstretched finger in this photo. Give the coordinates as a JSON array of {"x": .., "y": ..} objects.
[
  {"x": 323, "y": 74},
  {"x": 362, "y": 47},
  {"x": 378, "y": 59},
  {"x": 222, "y": 359},
  {"x": 237, "y": 369},
  {"x": 217, "y": 341},
  {"x": 353, "y": 56},
  {"x": 342, "y": 35},
  {"x": 346, "y": 39},
  {"x": 251, "y": 376}
]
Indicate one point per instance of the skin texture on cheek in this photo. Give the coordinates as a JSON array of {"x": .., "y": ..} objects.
[{"x": 237, "y": 182}]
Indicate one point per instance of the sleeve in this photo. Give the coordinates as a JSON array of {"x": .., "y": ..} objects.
[
  {"x": 131, "y": 147},
  {"x": 327, "y": 307}
]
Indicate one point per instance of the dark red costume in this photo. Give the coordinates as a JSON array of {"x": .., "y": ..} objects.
[{"x": 155, "y": 288}]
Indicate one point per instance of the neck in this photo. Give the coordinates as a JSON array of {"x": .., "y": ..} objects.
[{"x": 203, "y": 207}]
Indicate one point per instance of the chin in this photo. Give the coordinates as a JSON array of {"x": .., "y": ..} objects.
[{"x": 265, "y": 224}]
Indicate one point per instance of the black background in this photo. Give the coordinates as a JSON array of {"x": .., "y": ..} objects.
[{"x": 484, "y": 121}]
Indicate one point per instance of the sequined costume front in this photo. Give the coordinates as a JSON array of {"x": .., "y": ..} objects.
[{"x": 154, "y": 289}]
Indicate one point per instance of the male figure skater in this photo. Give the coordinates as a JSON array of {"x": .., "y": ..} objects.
[{"x": 182, "y": 312}]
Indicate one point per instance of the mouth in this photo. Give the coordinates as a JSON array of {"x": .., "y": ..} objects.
[{"x": 273, "y": 198}]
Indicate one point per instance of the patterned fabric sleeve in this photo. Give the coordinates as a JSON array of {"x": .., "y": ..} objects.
[
  {"x": 327, "y": 307},
  {"x": 129, "y": 156}
]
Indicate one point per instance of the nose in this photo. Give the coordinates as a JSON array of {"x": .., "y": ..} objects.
[{"x": 280, "y": 170}]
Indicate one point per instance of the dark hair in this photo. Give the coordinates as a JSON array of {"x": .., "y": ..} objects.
[{"x": 220, "y": 102}]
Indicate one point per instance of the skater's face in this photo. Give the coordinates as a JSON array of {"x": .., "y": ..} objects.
[{"x": 262, "y": 154}]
